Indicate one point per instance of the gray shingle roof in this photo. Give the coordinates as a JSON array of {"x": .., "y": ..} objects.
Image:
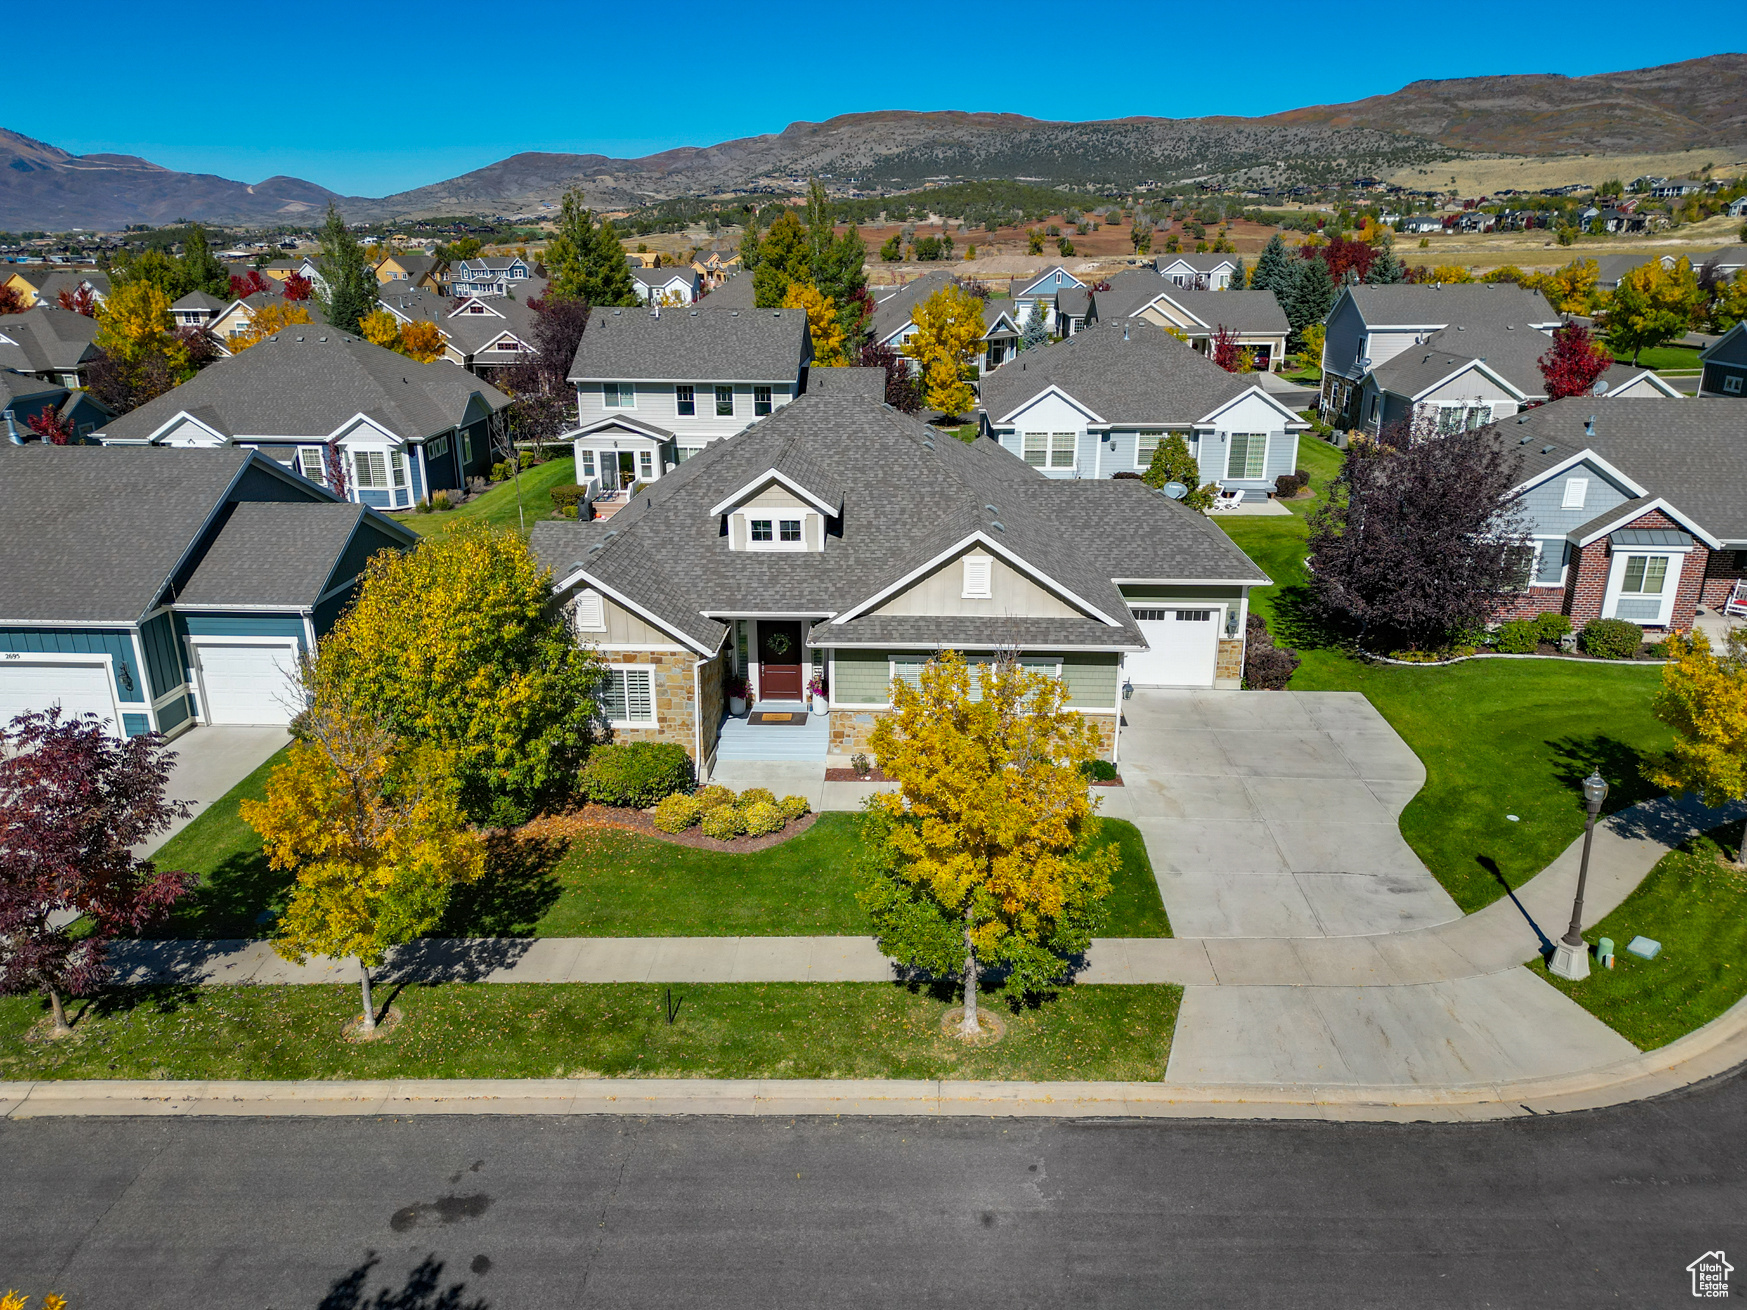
[
  {"x": 1205, "y": 261},
  {"x": 735, "y": 293},
  {"x": 50, "y": 284},
  {"x": 909, "y": 495},
  {"x": 310, "y": 379},
  {"x": 46, "y": 340},
  {"x": 1237, "y": 311},
  {"x": 1075, "y": 302},
  {"x": 662, "y": 276},
  {"x": 278, "y": 553},
  {"x": 1512, "y": 351},
  {"x": 892, "y": 313},
  {"x": 1125, "y": 372},
  {"x": 467, "y": 332},
  {"x": 199, "y": 300},
  {"x": 1468, "y": 303},
  {"x": 18, "y": 388},
  {"x": 869, "y": 382},
  {"x": 1688, "y": 452},
  {"x": 753, "y": 345}
]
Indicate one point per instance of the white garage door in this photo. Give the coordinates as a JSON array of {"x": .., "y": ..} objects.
[
  {"x": 246, "y": 682},
  {"x": 27, "y": 685},
  {"x": 1184, "y": 648}
]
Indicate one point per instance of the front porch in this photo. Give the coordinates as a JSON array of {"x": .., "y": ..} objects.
[{"x": 805, "y": 736}]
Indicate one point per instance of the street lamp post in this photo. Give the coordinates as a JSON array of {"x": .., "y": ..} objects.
[{"x": 1571, "y": 955}]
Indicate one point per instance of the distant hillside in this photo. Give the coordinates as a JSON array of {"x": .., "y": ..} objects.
[
  {"x": 1699, "y": 103},
  {"x": 45, "y": 187}
]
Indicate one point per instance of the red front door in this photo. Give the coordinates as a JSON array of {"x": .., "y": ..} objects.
[{"x": 779, "y": 661}]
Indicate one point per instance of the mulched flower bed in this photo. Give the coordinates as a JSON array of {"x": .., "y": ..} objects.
[
  {"x": 850, "y": 775},
  {"x": 1113, "y": 782},
  {"x": 591, "y": 818}
]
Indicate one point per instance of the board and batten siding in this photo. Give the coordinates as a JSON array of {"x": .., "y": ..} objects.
[
  {"x": 284, "y": 626},
  {"x": 864, "y": 676},
  {"x": 941, "y": 592},
  {"x": 117, "y": 643},
  {"x": 164, "y": 663}
]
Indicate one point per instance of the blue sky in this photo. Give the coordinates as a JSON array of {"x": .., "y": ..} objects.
[{"x": 405, "y": 101}]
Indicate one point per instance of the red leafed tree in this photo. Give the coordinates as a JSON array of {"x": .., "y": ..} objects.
[
  {"x": 1574, "y": 362},
  {"x": 11, "y": 301},
  {"x": 50, "y": 426},
  {"x": 80, "y": 300},
  {"x": 1340, "y": 255},
  {"x": 1226, "y": 352},
  {"x": 297, "y": 288},
  {"x": 74, "y": 800},
  {"x": 903, "y": 391},
  {"x": 334, "y": 460},
  {"x": 243, "y": 287}
]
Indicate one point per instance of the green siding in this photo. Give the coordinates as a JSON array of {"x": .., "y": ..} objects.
[
  {"x": 861, "y": 677},
  {"x": 1091, "y": 679},
  {"x": 1182, "y": 593},
  {"x": 163, "y": 660},
  {"x": 173, "y": 714},
  {"x": 114, "y": 642},
  {"x": 135, "y": 725},
  {"x": 367, "y": 541},
  {"x": 241, "y": 625}
]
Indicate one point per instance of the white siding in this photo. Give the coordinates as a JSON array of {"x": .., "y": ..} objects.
[{"x": 656, "y": 404}]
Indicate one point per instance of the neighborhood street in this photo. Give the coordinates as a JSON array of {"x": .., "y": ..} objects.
[{"x": 1601, "y": 1208}]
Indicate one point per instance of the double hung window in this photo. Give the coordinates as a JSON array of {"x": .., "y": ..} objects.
[
  {"x": 1054, "y": 450},
  {"x": 310, "y": 464},
  {"x": 684, "y": 401},
  {"x": 618, "y": 395},
  {"x": 371, "y": 468},
  {"x": 760, "y": 401},
  {"x": 1642, "y": 583},
  {"x": 1144, "y": 446},
  {"x": 1248, "y": 456},
  {"x": 724, "y": 402}
]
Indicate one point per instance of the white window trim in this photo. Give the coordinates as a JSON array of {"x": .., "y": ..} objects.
[
  {"x": 1164, "y": 435},
  {"x": 1267, "y": 451},
  {"x": 1049, "y": 448},
  {"x": 654, "y": 719},
  {"x": 1616, "y": 578},
  {"x": 360, "y": 456},
  {"x": 679, "y": 400},
  {"x": 1541, "y": 544},
  {"x": 624, "y": 393},
  {"x": 979, "y": 578},
  {"x": 321, "y": 460},
  {"x": 775, "y": 515}
]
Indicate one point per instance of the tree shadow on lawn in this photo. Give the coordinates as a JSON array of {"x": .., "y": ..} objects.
[
  {"x": 1300, "y": 623},
  {"x": 1575, "y": 758},
  {"x": 240, "y": 898},
  {"x": 156, "y": 998},
  {"x": 518, "y": 889}
]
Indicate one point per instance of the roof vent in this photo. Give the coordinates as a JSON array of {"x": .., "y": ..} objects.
[
  {"x": 991, "y": 509},
  {"x": 1546, "y": 450},
  {"x": 1525, "y": 441},
  {"x": 617, "y": 312},
  {"x": 300, "y": 338},
  {"x": 734, "y": 313},
  {"x": 321, "y": 338},
  {"x": 694, "y": 313},
  {"x": 997, "y": 525},
  {"x": 1589, "y": 426}
]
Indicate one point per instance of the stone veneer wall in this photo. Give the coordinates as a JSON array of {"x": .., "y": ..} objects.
[
  {"x": 1230, "y": 660},
  {"x": 713, "y": 702},
  {"x": 850, "y": 730},
  {"x": 675, "y": 717}
]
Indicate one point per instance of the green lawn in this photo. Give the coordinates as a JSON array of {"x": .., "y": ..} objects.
[
  {"x": 1497, "y": 737},
  {"x": 1670, "y": 358},
  {"x": 1697, "y": 908},
  {"x": 498, "y": 505},
  {"x": 608, "y": 883},
  {"x": 743, "y": 1030}
]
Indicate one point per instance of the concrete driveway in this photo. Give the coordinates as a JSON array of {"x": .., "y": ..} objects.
[
  {"x": 209, "y": 762},
  {"x": 1275, "y": 814}
]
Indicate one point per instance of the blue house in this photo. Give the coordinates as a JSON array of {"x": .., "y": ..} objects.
[
  {"x": 161, "y": 588},
  {"x": 1042, "y": 290},
  {"x": 381, "y": 429}
]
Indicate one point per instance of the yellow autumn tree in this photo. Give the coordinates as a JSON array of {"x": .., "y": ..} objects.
[
  {"x": 370, "y": 827},
  {"x": 421, "y": 340},
  {"x": 949, "y": 326},
  {"x": 134, "y": 322},
  {"x": 1704, "y": 699},
  {"x": 269, "y": 319},
  {"x": 380, "y": 328},
  {"x": 1653, "y": 305},
  {"x": 985, "y": 855},
  {"x": 1572, "y": 289},
  {"x": 822, "y": 324},
  {"x": 1447, "y": 273}
]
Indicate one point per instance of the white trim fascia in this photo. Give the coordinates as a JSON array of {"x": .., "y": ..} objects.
[
  {"x": 732, "y": 502},
  {"x": 1052, "y": 389},
  {"x": 289, "y": 609},
  {"x": 1190, "y": 582},
  {"x": 1165, "y": 296},
  {"x": 790, "y": 381},
  {"x": 1656, "y": 379},
  {"x": 1047, "y": 648},
  {"x": 1586, "y": 455},
  {"x": 1627, "y": 515},
  {"x": 224, "y": 438},
  {"x": 1293, "y": 419},
  {"x": 1024, "y": 565},
  {"x": 583, "y": 575},
  {"x": 466, "y": 307},
  {"x": 767, "y": 614},
  {"x": 637, "y": 646},
  {"x": 1480, "y": 364}
]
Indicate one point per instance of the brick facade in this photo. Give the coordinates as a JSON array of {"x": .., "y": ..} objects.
[
  {"x": 1723, "y": 569},
  {"x": 1702, "y": 573}
]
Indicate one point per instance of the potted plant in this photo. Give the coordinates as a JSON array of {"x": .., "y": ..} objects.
[
  {"x": 816, "y": 690},
  {"x": 737, "y": 695}
]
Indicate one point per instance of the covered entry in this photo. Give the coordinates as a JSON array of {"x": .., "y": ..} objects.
[{"x": 1182, "y": 646}]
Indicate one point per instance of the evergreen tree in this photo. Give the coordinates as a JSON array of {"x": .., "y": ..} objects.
[
  {"x": 1272, "y": 268},
  {"x": 783, "y": 258},
  {"x": 609, "y": 272},
  {"x": 1036, "y": 329},
  {"x": 201, "y": 269},
  {"x": 749, "y": 245},
  {"x": 347, "y": 289},
  {"x": 1386, "y": 269},
  {"x": 1238, "y": 277},
  {"x": 587, "y": 262},
  {"x": 1308, "y": 297}
]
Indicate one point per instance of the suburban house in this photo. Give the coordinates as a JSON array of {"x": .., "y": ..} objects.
[
  {"x": 844, "y": 541},
  {"x": 1001, "y": 334},
  {"x": 1098, "y": 404},
  {"x": 654, "y": 387},
  {"x": 1620, "y": 528},
  {"x": 42, "y": 284},
  {"x": 734, "y": 291},
  {"x": 1369, "y": 326},
  {"x": 716, "y": 266},
  {"x": 423, "y": 271},
  {"x": 894, "y": 324},
  {"x": 1198, "y": 272},
  {"x": 1254, "y": 318},
  {"x": 483, "y": 334},
  {"x": 1724, "y": 362},
  {"x": 197, "y": 309},
  {"x": 170, "y": 587},
  {"x": 1041, "y": 292},
  {"x": 665, "y": 286},
  {"x": 52, "y": 344},
  {"x": 481, "y": 276},
  {"x": 23, "y": 397},
  {"x": 382, "y": 429},
  {"x": 238, "y": 317}
]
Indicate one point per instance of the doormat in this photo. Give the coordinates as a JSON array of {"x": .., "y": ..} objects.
[{"x": 794, "y": 718}]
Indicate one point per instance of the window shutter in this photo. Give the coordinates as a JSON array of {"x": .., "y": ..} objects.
[
  {"x": 590, "y": 611},
  {"x": 978, "y": 576}
]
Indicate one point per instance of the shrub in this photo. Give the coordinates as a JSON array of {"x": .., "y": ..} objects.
[
  {"x": 440, "y": 500},
  {"x": 793, "y": 807},
  {"x": 637, "y": 773},
  {"x": 757, "y": 796},
  {"x": 500, "y": 471},
  {"x": 724, "y": 823},
  {"x": 1269, "y": 668},
  {"x": 1551, "y": 626},
  {"x": 762, "y": 818},
  {"x": 1611, "y": 639},
  {"x": 566, "y": 496},
  {"x": 423, "y": 507},
  {"x": 1099, "y": 771},
  {"x": 677, "y": 812},
  {"x": 1658, "y": 649},
  {"x": 1519, "y": 637},
  {"x": 1286, "y": 486},
  {"x": 861, "y": 764},
  {"x": 714, "y": 796},
  {"x": 1127, "y": 473}
]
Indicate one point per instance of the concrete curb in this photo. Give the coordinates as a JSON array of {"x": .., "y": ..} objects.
[{"x": 1715, "y": 1049}]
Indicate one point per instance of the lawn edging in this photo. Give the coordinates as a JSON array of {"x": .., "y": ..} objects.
[{"x": 1503, "y": 655}]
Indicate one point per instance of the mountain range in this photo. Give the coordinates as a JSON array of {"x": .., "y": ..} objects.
[{"x": 1698, "y": 103}]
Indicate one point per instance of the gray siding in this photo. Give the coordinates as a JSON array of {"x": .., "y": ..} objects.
[
  {"x": 1340, "y": 347},
  {"x": 1282, "y": 455},
  {"x": 861, "y": 677},
  {"x": 1090, "y": 676},
  {"x": 1541, "y": 503}
]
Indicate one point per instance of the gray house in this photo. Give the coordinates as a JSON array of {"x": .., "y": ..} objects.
[
  {"x": 169, "y": 587},
  {"x": 1725, "y": 364},
  {"x": 340, "y": 411},
  {"x": 1099, "y": 402},
  {"x": 52, "y": 344},
  {"x": 483, "y": 334},
  {"x": 1253, "y": 318},
  {"x": 841, "y": 540}
]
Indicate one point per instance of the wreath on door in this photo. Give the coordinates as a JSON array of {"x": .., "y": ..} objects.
[{"x": 778, "y": 643}]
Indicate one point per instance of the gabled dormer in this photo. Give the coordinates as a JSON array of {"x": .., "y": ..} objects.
[{"x": 791, "y": 507}]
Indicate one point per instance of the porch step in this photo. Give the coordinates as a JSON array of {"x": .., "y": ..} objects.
[{"x": 743, "y": 740}]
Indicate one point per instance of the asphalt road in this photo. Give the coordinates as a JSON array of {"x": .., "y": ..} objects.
[{"x": 1606, "y": 1207}]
